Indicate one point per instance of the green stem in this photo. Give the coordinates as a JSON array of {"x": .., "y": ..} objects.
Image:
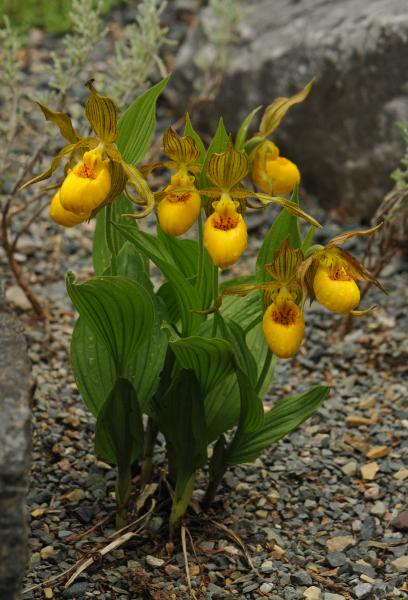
[
  {"x": 149, "y": 441},
  {"x": 123, "y": 488},
  {"x": 182, "y": 496},
  {"x": 212, "y": 488},
  {"x": 217, "y": 468},
  {"x": 265, "y": 369},
  {"x": 109, "y": 237},
  {"x": 200, "y": 264},
  {"x": 215, "y": 296}
]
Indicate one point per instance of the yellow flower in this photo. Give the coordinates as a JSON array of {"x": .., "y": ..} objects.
[
  {"x": 335, "y": 288},
  {"x": 87, "y": 185},
  {"x": 178, "y": 212},
  {"x": 283, "y": 328},
  {"x": 64, "y": 217},
  {"x": 272, "y": 173},
  {"x": 225, "y": 233}
]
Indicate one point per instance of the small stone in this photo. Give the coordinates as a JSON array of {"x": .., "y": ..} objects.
[
  {"x": 267, "y": 566},
  {"x": 75, "y": 496},
  {"x": 265, "y": 588},
  {"x": 367, "y": 403},
  {"x": 368, "y": 529},
  {"x": 336, "y": 559},
  {"x": 16, "y": 297},
  {"x": 373, "y": 491},
  {"x": 312, "y": 593},
  {"x": 340, "y": 543},
  {"x": 301, "y": 578},
  {"x": 46, "y": 552},
  {"x": 261, "y": 514},
  {"x": 401, "y": 521},
  {"x": 350, "y": 468},
  {"x": 154, "y": 561},
  {"x": 171, "y": 570},
  {"x": 400, "y": 564},
  {"x": 35, "y": 558},
  {"x": 77, "y": 590},
  {"x": 277, "y": 552},
  {"x": 273, "y": 496},
  {"x": 378, "y": 509},
  {"x": 37, "y": 512},
  {"x": 330, "y": 596},
  {"x": 48, "y": 593},
  {"x": 363, "y": 590},
  {"x": 369, "y": 471},
  {"x": 377, "y": 452},
  {"x": 402, "y": 474}
]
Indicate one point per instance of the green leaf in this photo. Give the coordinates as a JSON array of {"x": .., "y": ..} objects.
[
  {"x": 283, "y": 418},
  {"x": 285, "y": 225},
  {"x": 244, "y": 310},
  {"x": 138, "y": 123},
  {"x": 119, "y": 312},
  {"x": 259, "y": 349},
  {"x": 243, "y": 130},
  {"x": 251, "y": 407},
  {"x": 133, "y": 264},
  {"x": 244, "y": 360},
  {"x": 189, "y": 130},
  {"x": 187, "y": 296},
  {"x": 218, "y": 144},
  {"x": 101, "y": 256},
  {"x": 93, "y": 367},
  {"x": 119, "y": 427},
  {"x": 185, "y": 256},
  {"x": 308, "y": 240},
  {"x": 180, "y": 414},
  {"x": 251, "y": 415},
  {"x": 210, "y": 359},
  {"x": 222, "y": 407}
]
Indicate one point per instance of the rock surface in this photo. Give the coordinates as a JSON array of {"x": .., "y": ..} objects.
[
  {"x": 344, "y": 137},
  {"x": 15, "y": 395}
]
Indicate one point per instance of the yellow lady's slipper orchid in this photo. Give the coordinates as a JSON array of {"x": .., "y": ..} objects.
[
  {"x": 64, "y": 217},
  {"x": 336, "y": 289},
  {"x": 283, "y": 327},
  {"x": 178, "y": 212},
  {"x": 225, "y": 233},
  {"x": 272, "y": 173},
  {"x": 87, "y": 185}
]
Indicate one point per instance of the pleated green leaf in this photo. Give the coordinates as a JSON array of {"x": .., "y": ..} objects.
[
  {"x": 283, "y": 418},
  {"x": 187, "y": 296},
  {"x": 119, "y": 312},
  {"x": 93, "y": 367},
  {"x": 119, "y": 427},
  {"x": 180, "y": 416},
  {"x": 243, "y": 130},
  {"x": 210, "y": 359},
  {"x": 138, "y": 123}
]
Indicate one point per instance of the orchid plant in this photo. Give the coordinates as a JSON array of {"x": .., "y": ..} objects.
[{"x": 191, "y": 358}]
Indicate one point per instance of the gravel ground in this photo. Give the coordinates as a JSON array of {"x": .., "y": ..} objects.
[{"x": 315, "y": 514}]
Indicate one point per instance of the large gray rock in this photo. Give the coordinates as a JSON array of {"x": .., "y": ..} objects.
[
  {"x": 15, "y": 396},
  {"x": 344, "y": 137}
]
